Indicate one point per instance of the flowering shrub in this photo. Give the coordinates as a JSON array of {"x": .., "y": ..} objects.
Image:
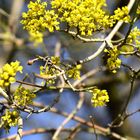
[
  {"x": 81, "y": 19},
  {"x": 86, "y": 16},
  {"x": 8, "y": 73}
]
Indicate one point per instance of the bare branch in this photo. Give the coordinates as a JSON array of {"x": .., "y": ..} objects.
[
  {"x": 71, "y": 115},
  {"x": 20, "y": 127}
]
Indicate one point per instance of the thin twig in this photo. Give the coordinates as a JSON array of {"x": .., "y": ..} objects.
[
  {"x": 130, "y": 94},
  {"x": 92, "y": 120},
  {"x": 20, "y": 127},
  {"x": 120, "y": 118},
  {"x": 74, "y": 132},
  {"x": 36, "y": 131},
  {"x": 71, "y": 115},
  {"x": 87, "y": 75},
  {"x": 29, "y": 84},
  {"x": 130, "y": 114},
  {"x": 49, "y": 77},
  {"x": 86, "y": 39},
  {"x": 4, "y": 94},
  {"x": 4, "y": 13},
  {"x": 101, "y": 130}
]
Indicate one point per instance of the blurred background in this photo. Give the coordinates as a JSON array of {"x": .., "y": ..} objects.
[{"x": 15, "y": 45}]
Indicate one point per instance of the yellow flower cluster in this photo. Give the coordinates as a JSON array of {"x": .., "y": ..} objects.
[
  {"x": 134, "y": 37},
  {"x": 8, "y": 73},
  {"x": 9, "y": 119},
  {"x": 74, "y": 72},
  {"x": 55, "y": 60},
  {"x": 113, "y": 62},
  {"x": 48, "y": 70},
  {"x": 122, "y": 14},
  {"x": 85, "y": 15},
  {"x": 23, "y": 97},
  {"x": 99, "y": 97},
  {"x": 37, "y": 19}
]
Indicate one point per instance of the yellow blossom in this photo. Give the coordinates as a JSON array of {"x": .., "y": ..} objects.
[
  {"x": 9, "y": 119},
  {"x": 87, "y": 16},
  {"x": 23, "y": 96},
  {"x": 84, "y": 15},
  {"x": 37, "y": 19},
  {"x": 8, "y": 73},
  {"x": 74, "y": 72},
  {"x": 134, "y": 37},
  {"x": 99, "y": 97},
  {"x": 113, "y": 62},
  {"x": 122, "y": 14}
]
